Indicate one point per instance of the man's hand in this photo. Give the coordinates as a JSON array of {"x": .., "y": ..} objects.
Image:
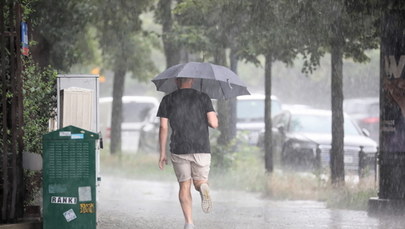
[
  {"x": 162, "y": 161},
  {"x": 212, "y": 119}
]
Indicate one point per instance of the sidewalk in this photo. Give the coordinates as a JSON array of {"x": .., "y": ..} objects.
[
  {"x": 133, "y": 204},
  {"x": 23, "y": 225}
]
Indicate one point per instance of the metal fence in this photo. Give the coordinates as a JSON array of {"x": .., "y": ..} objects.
[{"x": 11, "y": 113}]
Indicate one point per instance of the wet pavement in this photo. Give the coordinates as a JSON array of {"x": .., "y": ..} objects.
[{"x": 125, "y": 203}]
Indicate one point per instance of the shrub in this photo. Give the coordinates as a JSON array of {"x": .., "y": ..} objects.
[
  {"x": 238, "y": 166},
  {"x": 39, "y": 103}
]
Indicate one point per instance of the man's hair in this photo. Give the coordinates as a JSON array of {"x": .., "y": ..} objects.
[{"x": 183, "y": 79}]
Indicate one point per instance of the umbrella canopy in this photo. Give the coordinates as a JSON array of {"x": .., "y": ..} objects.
[{"x": 217, "y": 81}]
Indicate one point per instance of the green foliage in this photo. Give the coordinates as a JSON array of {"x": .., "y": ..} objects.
[
  {"x": 140, "y": 165},
  {"x": 58, "y": 27},
  {"x": 237, "y": 165},
  {"x": 192, "y": 37},
  {"x": 206, "y": 26},
  {"x": 33, "y": 183},
  {"x": 66, "y": 33},
  {"x": 357, "y": 24},
  {"x": 39, "y": 107},
  {"x": 244, "y": 171},
  {"x": 274, "y": 29},
  {"x": 142, "y": 66},
  {"x": 118, "y": 27},
  {"x": 252, "y": 28},
  {"x": 222, "y": 155},
  {"x": 123, "y": 46},
  {"x": 39, "y": 103}
]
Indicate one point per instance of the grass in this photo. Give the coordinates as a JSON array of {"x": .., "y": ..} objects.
[
  {"x": 244, "y": 170},
  {"x": 142, "y": 166},
  {"x": 353, "y": 195},
  {"x": 294, "y": 186}
]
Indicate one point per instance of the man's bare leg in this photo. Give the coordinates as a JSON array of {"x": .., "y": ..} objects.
[
  {"x": 186, "y": 200},
  {"x": 198, "y": 183},
  {"x": 203, "y": 188}
]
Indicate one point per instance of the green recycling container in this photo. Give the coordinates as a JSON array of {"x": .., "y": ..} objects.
[{"x": 69, "y": 179}]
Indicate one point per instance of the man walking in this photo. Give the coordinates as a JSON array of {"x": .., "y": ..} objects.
[{"x": 189, "y": 113}]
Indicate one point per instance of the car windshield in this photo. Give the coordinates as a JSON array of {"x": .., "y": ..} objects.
[
  {"x": 136, "y": 112},
  {"x": 353, "y": 108},
  {"x": 253, "y": 110},
  {"x": 318, "y": 124}
]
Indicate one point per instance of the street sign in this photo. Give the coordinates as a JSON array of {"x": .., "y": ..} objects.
[{"x": 24, "y": 39}]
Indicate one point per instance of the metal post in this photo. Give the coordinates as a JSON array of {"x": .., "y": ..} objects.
[
  {"x": 318, "y": 163},
  {"x": 376, "y": 161},
  {"x": 361, "y": 162}
]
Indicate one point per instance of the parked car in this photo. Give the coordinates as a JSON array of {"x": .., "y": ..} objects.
[
  {"x": 297, "y": 134},
  {"x": 138, "y": 112},
  {"x": 295, "y": 106},
  {"x": 366, "y": 112},
  {"x": 250, "y": 114}
]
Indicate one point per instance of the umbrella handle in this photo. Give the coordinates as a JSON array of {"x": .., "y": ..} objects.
[{"x": 229, "y": 83}]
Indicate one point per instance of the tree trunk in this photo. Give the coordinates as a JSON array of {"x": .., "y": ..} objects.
[
  {"x": 116, "y": 115},
  {"x": 5, "y": 127},
  {"x": 337, "y": 150},
  {"x": 232, "y": 101},
  {"x": 11, "y": 146},
  {"x": 392, "y": 125},
  {"x": 268, "y": 156},
  {"x": 224, "y": 109},
  {"x": 172, "y": 51}
]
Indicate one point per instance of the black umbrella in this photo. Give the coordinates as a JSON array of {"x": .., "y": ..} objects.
[{"x": 217, "y": 81}]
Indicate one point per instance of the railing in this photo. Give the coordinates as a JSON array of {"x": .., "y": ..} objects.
[{"x": 361, "y": 162}]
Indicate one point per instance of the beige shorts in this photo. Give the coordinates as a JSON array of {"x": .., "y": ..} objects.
[{"x": 191, "y": 166}]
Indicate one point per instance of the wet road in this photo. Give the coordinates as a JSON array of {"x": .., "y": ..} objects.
[{"x": 124, "y": 203}]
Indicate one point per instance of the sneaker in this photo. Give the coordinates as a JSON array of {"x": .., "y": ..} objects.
[
  {"x": 206, "y": 202},
  {"x": 188, "y": 226}
]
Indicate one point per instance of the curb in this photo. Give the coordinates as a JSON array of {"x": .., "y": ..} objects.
[
  {"x": 381, "y": 207},
  {"x": 25, "y": 225}
]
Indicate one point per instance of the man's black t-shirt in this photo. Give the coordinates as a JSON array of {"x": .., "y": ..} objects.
[{"x": 187, "y": 111}]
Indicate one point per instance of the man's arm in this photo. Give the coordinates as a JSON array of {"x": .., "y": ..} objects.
[
  {"x": 163, "y": 132},
  {"x": 212, "y": 119}
]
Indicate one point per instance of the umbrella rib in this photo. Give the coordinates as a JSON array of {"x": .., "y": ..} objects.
[
  {"x": 223, "y": 92},
  {"x": 219, "y": 83}
]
